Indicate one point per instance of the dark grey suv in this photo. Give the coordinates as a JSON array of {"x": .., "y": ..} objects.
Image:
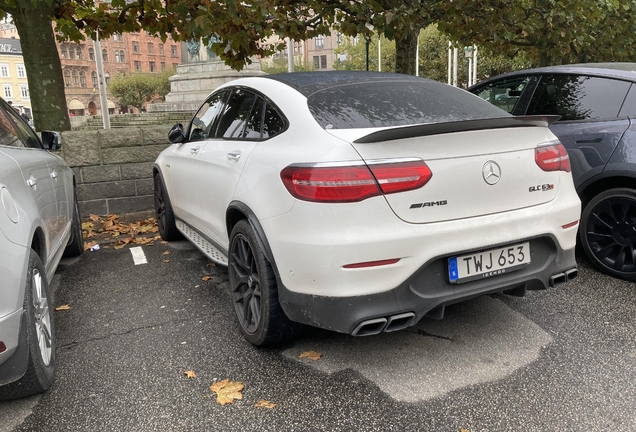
[{"x": 597, "y": 105}]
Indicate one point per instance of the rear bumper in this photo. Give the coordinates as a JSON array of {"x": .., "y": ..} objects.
[{"x": 426, "y": 292}]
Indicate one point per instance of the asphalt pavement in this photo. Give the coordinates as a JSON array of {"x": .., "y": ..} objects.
[{"x": 562, "y": 359}]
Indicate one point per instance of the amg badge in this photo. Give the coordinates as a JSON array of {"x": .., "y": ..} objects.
[{"x": 429, "y": 204}]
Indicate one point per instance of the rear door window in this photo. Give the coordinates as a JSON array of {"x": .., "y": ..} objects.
[
  {"x": 504, "y": 94},
  {"x": 576, "y": 97},
  {"x": 236, "y": 112}
]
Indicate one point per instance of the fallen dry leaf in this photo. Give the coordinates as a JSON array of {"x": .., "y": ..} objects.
[
  {"x": 166, "y": 260},
  {"x": 265, "y": 404},
  {"x": 463, "y": 430},
  {"x": 312, "y": 355},
  {"x": 226, "y": 391},
  {"x": 166, "y": 253},
  {"x": 88, "y": 226},
  {"x": 93, "y": 217},
  {"x": 63, "y": 307},
  {"x": 88, "y": 245},
  {"x": 210, "y": 265},
  {"x": 206, "y": 278},
  {"x": 190, "y": 374}
]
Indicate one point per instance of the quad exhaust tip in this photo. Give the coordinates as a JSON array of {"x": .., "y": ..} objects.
[
  {"x": 388, "y": 324},
  {"x": 561, "y": 278}
]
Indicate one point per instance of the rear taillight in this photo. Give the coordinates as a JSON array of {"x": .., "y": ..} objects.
[
  {"x": 352, "y": 183},
  {"x": 552, "y": 157}
]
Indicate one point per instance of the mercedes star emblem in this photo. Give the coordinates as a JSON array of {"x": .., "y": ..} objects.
[{"x": 491, "y": 172}]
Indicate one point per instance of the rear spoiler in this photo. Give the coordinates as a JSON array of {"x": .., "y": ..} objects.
[{"x": 459, "y": 126}]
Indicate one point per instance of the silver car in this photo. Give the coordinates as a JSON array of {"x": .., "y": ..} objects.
[{"x": 39, "y": 223}]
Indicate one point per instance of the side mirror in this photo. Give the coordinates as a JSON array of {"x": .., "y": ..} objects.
[
  {"x": 176, "y": 134},
  {"x": 51, "y": 140}
]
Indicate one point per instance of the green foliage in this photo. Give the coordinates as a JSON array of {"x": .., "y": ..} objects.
[
  {"x": 137, "y": 88},
  {"x": 279, "y": 65},
  {"x": 356, "y": 54},
  {"x": 163, "y": 81}
]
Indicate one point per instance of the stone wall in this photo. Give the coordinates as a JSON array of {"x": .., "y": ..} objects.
[{"x": 113, "y": 168}]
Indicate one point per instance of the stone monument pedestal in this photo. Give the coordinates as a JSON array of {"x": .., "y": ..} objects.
[{"x": 195, "y": 81}]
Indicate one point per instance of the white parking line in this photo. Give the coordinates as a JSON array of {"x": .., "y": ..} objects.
[{"x": 139, "y": 257}]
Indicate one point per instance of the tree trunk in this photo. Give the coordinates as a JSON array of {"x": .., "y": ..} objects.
[
  {"x": 406, "y": 51},
  {"x": 33, "y": 21}
]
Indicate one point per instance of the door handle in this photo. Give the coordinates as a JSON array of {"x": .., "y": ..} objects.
[
  {"x": 234, "y": 156},
  {"x": 32, "y": 181},
  {"x": 54, "y": 175},
  {"x": 591, "y": 141},
  {"x": 195, "y": 151}
]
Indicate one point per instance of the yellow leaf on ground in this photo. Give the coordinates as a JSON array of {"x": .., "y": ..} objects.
[
  {"x": 312, "y": 355},
  {"x": 88, "y": 226},
  {"x": 463, "y": 430},
  {"x": 63, "y": 307},
  {"x": 88, "y": 245},
  {"x": 93, "y": 217},
  {"x": 265, "y": 404},
  {"x": 166, "y": 260},
  {"x": 166, "y": 253},
  {"x": 206, "y": 278},
  {"x": 190, "y": 374},
  {"x": 119, "y": 246},
  {"x": 226, "y": 391}
]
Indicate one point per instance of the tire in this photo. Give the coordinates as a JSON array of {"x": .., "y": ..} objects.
[
  {"x": 40, "y": 329},
  {"x": 254, "y": 291},
  {"x": 608, "y": 232},
  {"x": 163, "y": 212},
  {"x": 75, "y": 245}
]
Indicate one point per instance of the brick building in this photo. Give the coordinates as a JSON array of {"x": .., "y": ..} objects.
[{"x": 121, "y": 53}]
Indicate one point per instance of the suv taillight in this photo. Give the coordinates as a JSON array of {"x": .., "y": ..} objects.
[
  {"x": 552, "y": 157},
  {"x": 352, "y": 183}
]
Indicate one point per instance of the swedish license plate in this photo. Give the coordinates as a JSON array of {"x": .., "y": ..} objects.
[{"x": 488, "y": 263}]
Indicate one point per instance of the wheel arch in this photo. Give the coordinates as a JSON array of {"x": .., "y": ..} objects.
[
  {"x": 602, "y": 183},
  {"x": 38, "y": 244},
  {"x": 238, "y": 211}
]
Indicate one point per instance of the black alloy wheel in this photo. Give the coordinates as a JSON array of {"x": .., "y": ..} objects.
[
  {"x": 163, "y": 212},
  {"x": 608, "y": 232},
  {"x": 254, "y": 291}
]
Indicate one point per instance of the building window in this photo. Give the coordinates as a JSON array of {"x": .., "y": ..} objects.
[
  {"x": 121, "y": 56},
  {"x": 163, "y": 66},
  {"x": 79, "y": 53},
  {"x": 24, "y": 91},
  {"x": 320, "y": 42},
  {"x": 151, "y": 48},
  {"x": 107, "y": 78},
  {"x": 173, "y": 50},
  {"x": 135, "y": 47},
  {"x": 94, "y": 78},
  {"x": 82, "y": 79},
  {"x": 117, "y": 37},
  {"x": 152, "y": 66},
  {"x": 67, "y": 78},
  {"x": 8, "y": 91},
  {"x": 91, "y": 54},
  {"x": 64, "y": 55},
  {"x": 323, "y": 62},
  {"x": 137, "y": 65},
  {"x": 116, "y": 56},
  {"x": 75, "y": 79},
  {"x": 316, "y": 62},
  {"x": 105, "y": 55},
  {"x": 21, "y": 70},
  {"x": 160, "y": 49},
  {"x": 4, "y": 70},
  {"x": 71, "y": 53}
]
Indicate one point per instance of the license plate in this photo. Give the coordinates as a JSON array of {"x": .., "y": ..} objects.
[{"x": 488, "y": 263}]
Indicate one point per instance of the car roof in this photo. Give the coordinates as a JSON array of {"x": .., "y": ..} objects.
[
  {"x": 626, "y": 71},
  {"x": 308, "y": 83}
]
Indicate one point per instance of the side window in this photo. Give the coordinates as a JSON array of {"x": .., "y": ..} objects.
[
  {"x": 253, "y": 126},
  {"x": 204, "y": 120},
  {"x": 578, "y": 97},
  {"x": 273, "y": 123},
  {"x": 629, "y": 106},
  {"x": 8, "y": 133},
  {"x": 25, "y": 131},
  {"x": 504, "y": 94},
  {"x": 235, "y": 114}
]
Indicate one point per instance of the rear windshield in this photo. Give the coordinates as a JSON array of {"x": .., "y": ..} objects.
[{"x": 396, "y": 103}]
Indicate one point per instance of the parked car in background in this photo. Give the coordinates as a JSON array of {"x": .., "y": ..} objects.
[
  {"x": 597, "y": 105},
  {"x": 39, "y": 222},
  {"x": 360, "y": 202}
]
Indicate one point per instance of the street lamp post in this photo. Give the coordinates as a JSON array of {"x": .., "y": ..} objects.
[{"x": 468, "y": 53}]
